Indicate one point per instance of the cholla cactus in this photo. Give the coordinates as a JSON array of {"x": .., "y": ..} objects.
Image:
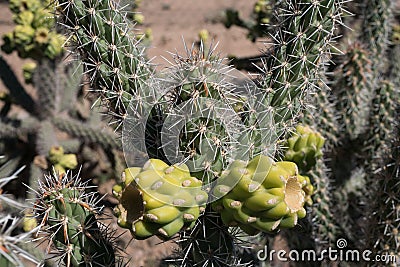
[
  {"x": 202, "y": 113},
  {"x": 354, "y": 92},
  {"x": 218, "y": 117},
  {"x": 67, "y": 218},
  {"x": 111, "y": 55}
]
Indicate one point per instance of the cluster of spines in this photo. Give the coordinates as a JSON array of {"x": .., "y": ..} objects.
[
  {"x": 322, "y": 114},
  {"x": 376, "y": 29},
  {"x": 382, "y": 117},
  {"x": 12, "y": 249},
  {"x": 324, "y": 223},
  {"x": 209, "y": 243},
  {"x": 67, "y": 219},
  {"x": 227, "y": 117}
]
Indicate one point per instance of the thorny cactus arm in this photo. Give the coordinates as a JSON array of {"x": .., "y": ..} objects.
[
  {"x": 112, "y": 57},
  {"x": 301, "y": 46},
  {"x": 383, "y": 217},
  {"x": 12, "y": 249},
  {"x": 11, "y": 246},
  {"x": 353, "y": 90},
  {"x": 67, "y": 218},
  {"x": 375, "y": 30}
]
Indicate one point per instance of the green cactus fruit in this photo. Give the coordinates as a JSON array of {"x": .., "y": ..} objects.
[
  {"x": 23, "y": 34},
  {"x": 33, "y": 37},
  {"x": 24, "y": 18},
  {"x": 60, "y": 161},
  {"x": 267, "y": 195},
  {"x": 158, "y": 199},
  {"x": 28, "y": 71},
  {"x": 304, "y": 148},
  {"x": 54, "y": 46},
  {"x": 41, "y": 35}
]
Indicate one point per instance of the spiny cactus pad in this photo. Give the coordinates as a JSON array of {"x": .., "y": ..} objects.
[
  {"x": 158, "y": 199},
  {"x": 304, "y": 148},
  {"x": 268, "y": 195}
]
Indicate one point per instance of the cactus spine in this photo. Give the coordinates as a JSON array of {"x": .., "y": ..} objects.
[{"x": 383, "y": 235}]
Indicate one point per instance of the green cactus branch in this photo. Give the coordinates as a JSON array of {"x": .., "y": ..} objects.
[
  {"x": 67, "y": 217},
  {"x": 14, "y": 128},
  {"x": 88, "y": 133},
  {"x": 383, "y": 216},
  {"x": 376, "y": 29},
  {"x": 301, "y": 46},
  {"x": 354, "y": 91},
  {"x": 112, "y": 57}
]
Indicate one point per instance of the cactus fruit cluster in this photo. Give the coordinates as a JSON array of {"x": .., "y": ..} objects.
[
  {"x": 304, "y": 148},
  {"x": 61, "y": 161},
  {"x": 262, "y": 195},
  {"x": 259, "y": 22},
  {"x": 33, "y": 36},
  {"x": 159, "y": 199}
]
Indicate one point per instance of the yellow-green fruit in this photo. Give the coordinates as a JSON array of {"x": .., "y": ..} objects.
[
  {"x": 304, "y": 148},
  {"x": 24, "y": 18},
  {"x": 61, "y": 160},
  {"x": 158, "y": 199},
  {"x": 54, "y": 46},
  {"x": 68, "y": 161},
  {"x": 28, "y": 70},
  {"x": 41, "y": 35},
  {"x": 269, "y": 195},
  {"x": 23, "y": 34}
]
